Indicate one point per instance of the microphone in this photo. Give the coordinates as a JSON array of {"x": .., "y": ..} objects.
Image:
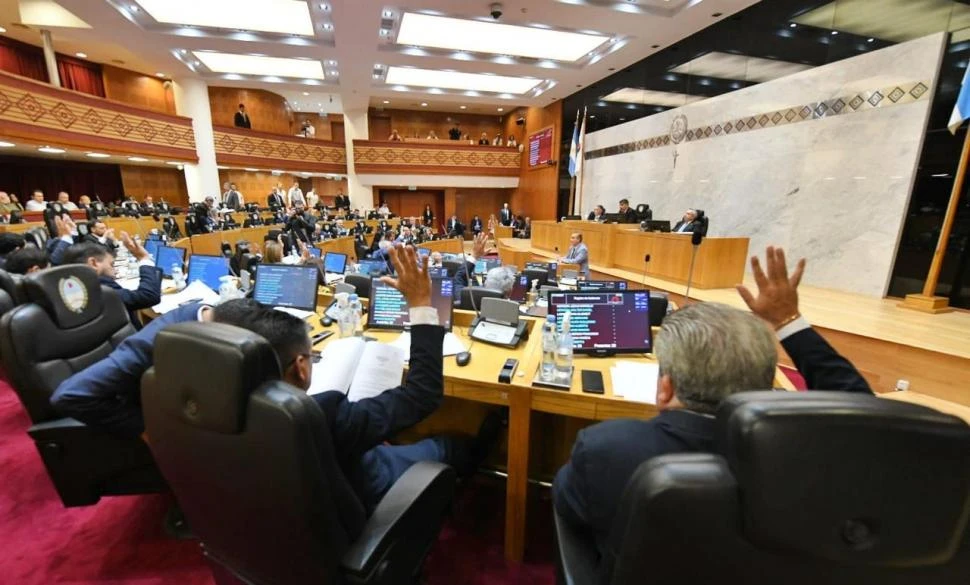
[{"x": 646, "y": 262}]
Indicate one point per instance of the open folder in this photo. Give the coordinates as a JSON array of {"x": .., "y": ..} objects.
[{"x": 358, "y": 368}]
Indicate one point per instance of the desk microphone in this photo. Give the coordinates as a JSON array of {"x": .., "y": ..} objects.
[{"x": 646, "y": 263}]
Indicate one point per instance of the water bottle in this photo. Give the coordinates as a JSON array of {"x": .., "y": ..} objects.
[
  {"x": 564, "y": 353},
  {"x": 533, "y": 296},
  {"x": 345, "y": 320},
  {"x": 549, "y": 343},
  {"x": 178, "y": 277},
  {"x": 357, "y": 313},
  {"x": 227, "y": 288},
  {"x": 132, "y": 267}
]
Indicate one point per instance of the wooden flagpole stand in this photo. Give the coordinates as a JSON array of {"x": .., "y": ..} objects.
[{"x": 927, "y": 301}]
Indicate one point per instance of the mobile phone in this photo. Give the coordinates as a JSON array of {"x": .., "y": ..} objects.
[
  {"x": 320, "y": 337},
  {"x": 505, "y": 376},
  {"x": 593, "y": 382}
]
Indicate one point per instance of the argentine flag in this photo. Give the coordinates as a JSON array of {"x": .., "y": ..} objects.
[
  {"x": 574, "y": 147},
  {"x": 961, "y": 111}
]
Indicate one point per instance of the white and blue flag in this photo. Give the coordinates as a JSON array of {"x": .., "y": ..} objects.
[
  {"x": 961, "y": 111},
  {"x": 574, "y": 147}
]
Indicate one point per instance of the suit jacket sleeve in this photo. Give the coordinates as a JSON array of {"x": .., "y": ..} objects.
[
  {"x": 579, "y": 255},
  {"x": 821, "y": 366},
  {"x": 362, "y": 425},
  {"x": 55, "y": 249},
  {"x": 569, "y": 490},
  {"x": 149, "y": 291},
  {"x": 461, "y": 279}
]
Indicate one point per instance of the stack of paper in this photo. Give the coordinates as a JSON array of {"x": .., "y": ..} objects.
[
  {"x": 635, "y": 380},
  {"x": 298, "y": 313},
  {"x": 195, "y": 292},
  {"x": 453, "y": 345}
]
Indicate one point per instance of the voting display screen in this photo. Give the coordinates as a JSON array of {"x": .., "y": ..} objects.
[
  {"x": 389, "y": 310},
  {"x": 208, "y": 269},
  {"x": 591, "y": 285},
  {"x": 334, "y": 263},
  {"x": 608, "y": 322},
  {"x": 168, "y": 257},
  {"x": 279, "y": 285}
]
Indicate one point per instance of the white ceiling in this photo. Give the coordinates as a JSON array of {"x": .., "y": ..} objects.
[{"x": 348, "y": 42}]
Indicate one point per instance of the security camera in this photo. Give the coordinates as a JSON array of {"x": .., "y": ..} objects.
[{"x": 495, "y": 9}]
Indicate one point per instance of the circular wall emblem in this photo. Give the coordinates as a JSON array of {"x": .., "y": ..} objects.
[
  {"x": 73, "y": 293},
  {"x": 678, "y": 130}
]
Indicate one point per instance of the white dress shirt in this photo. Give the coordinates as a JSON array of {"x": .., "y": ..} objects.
[{"x": 35, "y": 205}]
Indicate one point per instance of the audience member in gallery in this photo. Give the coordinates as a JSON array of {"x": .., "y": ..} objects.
[
  {"x": 308, "y": 130},
  {"x": 83, "y": 202},
  {"x": 37, "y": 202},
  {"x": 241, "y": 119},
  {"x": 455, "y": 132},
  {"x": 7, "y": 206},
  {"x": 65, "y": 200},
  {"x": 497, "y": 141},
  {"x": 16, "y": 202},
  {"x": 395, "y": 137},
  {"x": 512, "y": 142},
  {"x": 484, "y": 141},
  {"x": 432, "y": 135}
]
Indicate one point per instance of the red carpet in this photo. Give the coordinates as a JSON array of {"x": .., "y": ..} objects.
[{"x": 120, "y": 541}]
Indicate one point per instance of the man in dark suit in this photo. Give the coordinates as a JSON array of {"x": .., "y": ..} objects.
[
  {"x": 505, "y": 215},
  {"x": 101, "y": 260},
  {"x": 241, "y": 119},
  {"x": 233, "y": 199},
  {"x": 695, "y": 378},
  {"x": 686, "y": 224},
  {"x": 476, "y": 225},
  {"x": 455, "y": 228},
  {"x": 275, "y": 200},
  {"x": 99, "y": 233},
  {"x": 341, "y": 201},
  {"x": 627, "y": 213}
]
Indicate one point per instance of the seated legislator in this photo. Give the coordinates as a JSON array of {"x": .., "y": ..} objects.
[
  {"x": 686, "y": 224},
  {"x": 99, "y": 233},
  {"x": 101, "y": 260},
  {"x": 360, "y": 429},
  {"x": 522, "y": 228},
  {"x": 707, "y": 352},
  {"x": 476, "y": 225},
  {"x": 629, "y": 215},
  {"x": 578, "y": 254},
  {"x": 454, "y": 227},
  {"x": 65, "y": 200},
  {"x": 501, "y": 278},
  {"x": 26, "y": 260},
  {"x": 598, "y": 214},
  {"x": 66, "y": 230},
  {"x": 36, "y": 201}
]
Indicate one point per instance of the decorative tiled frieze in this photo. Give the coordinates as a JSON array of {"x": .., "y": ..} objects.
[
  {"x": 292, "y": 153},
  {"x": 389, "y": 157},
  {"x": 840, "y": 106}
]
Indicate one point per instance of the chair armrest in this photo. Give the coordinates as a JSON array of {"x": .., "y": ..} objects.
[
  {"x": 410, "y": 512},
  {"x": 55, "y": 429},
  {"x": 577, "y": 559}
]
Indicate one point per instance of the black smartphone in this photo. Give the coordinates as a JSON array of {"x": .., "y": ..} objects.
[
  {"x": 593, "y": 382},
  {"x": 320, "y": 337},
  {"x": 505, "y": 376}
]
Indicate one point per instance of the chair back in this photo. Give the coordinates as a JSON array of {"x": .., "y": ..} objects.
[
  {"x": 13, "y": 285},
  {"x": 68, "y": 322},
  {"x": 813, "y": 487},
  {"x": 451, "y": 267},
  {"x": 658, "y": 307},
  {"x": 471, "y": 297},
  {"x": 533, "y": 274},
  {"x": 360, "y": 282},
  {"x": 703, "y": 221},
  {"x": 37, "y": 236},
  {"x": 250, "y": 458},
  {"x": 644, "y": 212}
]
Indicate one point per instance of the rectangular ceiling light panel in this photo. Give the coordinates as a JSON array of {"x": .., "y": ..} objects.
[
  {"x": 442, "y": 32},
  {"x": 252, "y": 65},
  {"x": 740, "y": 67},
  {"x": 291, "y": 17},
  {"x": 631, "y": 95},
  {"x": 456, "y": 80}
]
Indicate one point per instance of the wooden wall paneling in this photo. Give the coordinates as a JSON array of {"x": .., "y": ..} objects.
[
  {"x": 139, "y": 181},
  {"x": 481, "y": 202},
  {"x": 136, "y": 89},
  {"x": 337, "y": 127},
  {"x": 417, "y": 124},
  {"x": 537, "y": 191},
  {"x": 378, "y": 126},
  {"x": 256, "y": 186},
  {"x": 327, "y": 189},
  {"x": 267, "y": 111},
  {"x": 411, "y": 203}
]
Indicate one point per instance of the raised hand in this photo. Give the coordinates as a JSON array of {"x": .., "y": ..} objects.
[
  {"x": 134, "y": 247},
  {"x": 478, "y": 245},
  {"x": 777, "y": 300},
  {"x": 413, "y": 279},
  {"x": 63, "y": 227}
]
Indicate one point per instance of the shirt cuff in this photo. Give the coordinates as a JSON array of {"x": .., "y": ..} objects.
[
  {"x": 799, "y": 324},
  {"x": 146, "y": 261},
  {"x": 423, "y": 316},
  {"x": 68, "y": 239}
]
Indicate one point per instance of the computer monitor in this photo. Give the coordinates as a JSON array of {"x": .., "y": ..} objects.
[
  {"x": 483, "y": 266},
  {"x": 437, "y": 272},
  {"x": 371, "y": 267},
  {"x": 658, "y": 225},
  {"x": 167, "y": 256},
  {"x": 591, "y": 285},
  {"x": 388, "y": 309},
  {"x": 550, "y": 267},
  {"x": 315, "y": 252},
  {"x": 520, "y": 288},
  {"x": 604, "y": 323},
  {"x": 208, "y": 269},
  {"x": 424, "y": 252},
  {"x": 334, "y": 263},
  {"x": 280, "y": 285},
  {"x": 151, "y": 246}
]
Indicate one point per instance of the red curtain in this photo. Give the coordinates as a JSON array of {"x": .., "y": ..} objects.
[
  {"x": 80, "y": 75},
  {"x": 21, "y": 175},
  {"x": 22, "y": 59}
]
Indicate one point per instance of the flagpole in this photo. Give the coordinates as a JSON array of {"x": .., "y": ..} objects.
[
  {"x": 572, "y": 195},
  {"x": 928, "y": 302},
  {"x": 581, "y": 162}
]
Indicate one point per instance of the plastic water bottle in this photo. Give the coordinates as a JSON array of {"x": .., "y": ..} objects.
[
  {"x": 564, "y": 353},
  {"x": 178, "y": 277},
  {"x": 132, "y": 267},
  {"x": 227, "y": 288},
  {"x": 533, "y": 296},
  {"x": 550, "y": 341},
  {"x": 357, "y": 314},
  {"x": 345, "y": 321}
]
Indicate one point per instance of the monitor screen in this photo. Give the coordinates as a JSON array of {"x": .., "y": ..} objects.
[
  {"x": 483, "y": 266},
  {"x": 550, "y": 267},
  {"x": 424, "y": 252},
  {"x": 279, "y": 285},
  {"x": 388, "y": 309},
  {"x": 437, "y": 272},
  {"x": 372, "y": 267},
  {"x": 314, "y": 251},
  {"x": 167, "y": 256},
  {"x": 151, "y": 246},
  {"x": 520, "y": 288},
  {"x": 208, "y": 269},
  {"x": 335, "y": 263},
  {"x": 602, "y": 285},
  {"x": 605, "y": 322}
]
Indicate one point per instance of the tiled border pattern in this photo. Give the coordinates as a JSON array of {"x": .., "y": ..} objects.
[
  {"x": 443, "y": 156},
  {"x": 281, "y": 148},
  {"x": 860, "y": 102}
]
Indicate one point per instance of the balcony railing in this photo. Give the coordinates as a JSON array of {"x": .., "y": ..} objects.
[
  {"x": 242, "y": 147},
  {"x": 442, "y": 157}
]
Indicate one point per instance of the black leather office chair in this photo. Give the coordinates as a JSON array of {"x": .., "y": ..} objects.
[
  {"x": 471, "y": 297},
  {"x": 360, "y": 282},
  {"x": 13, "y": 285},
  {"x": 644, "y": 213},
  {"x": 37, "y": 236},
  {"x": 658, "y": 307},
  {"x": 42, "y": 343},
  {"x": 534, "y": 274},
  {"x": 811, "y": 487},
  {"x": 452, "y": 267},
  {"x": 703, "y": 220},
  {"x": 6, "y": 303},
  {"x": 253, "y": 465}
]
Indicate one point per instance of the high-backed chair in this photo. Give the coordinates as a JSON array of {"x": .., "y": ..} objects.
[
  {"x": 658, "y": 307},
  {"x": 6, "y": 303},
  {"x": 37, "y": 236},
  {"x": 703, "y": 220},
  {"x": 471, "y": 297},
  {"x": 644, "y": 213},
  {"x": 13, "y": 285},
  {"x": 810, "y": 487},
  {"x": 535, "y": 274},
  {"x": 254, "y": 468},
  {"x": 452, "y": 267},
  {"x": 361, "y": 282},
  {"x": 68, "y": 323}
]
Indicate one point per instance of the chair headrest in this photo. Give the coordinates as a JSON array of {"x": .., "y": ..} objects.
[
  {"x": 223, "y": 365},
  {"x": 700, "y": 213},
  {"x": 13, "y": 285},
  {"x": 836, "y": 475},
  {"x": 70, "y": 294}
]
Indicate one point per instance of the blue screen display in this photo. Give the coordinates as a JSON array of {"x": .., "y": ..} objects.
[
  {"x": 372, "y": 267},
  {"x": 315, "y": 252},
  {"x": 388, "y": 309},
  {"x": 168, "y": 257},
  {"x": 208, "y": 269},
  {"x": 334, "y": 263},
  {"x": 424, "y": 252},
  {"x": 483, "y": 266},
  {"x": 279, "y": 285},
  {"x": 151, "y": 246}
]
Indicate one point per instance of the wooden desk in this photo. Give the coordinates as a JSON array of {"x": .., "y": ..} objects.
[
  {"x": 448, "y": 246},
  {"x": 19, "y": 228},
  {"x": 502, "y": 231},
  {"x": 719, "y": 262},
  {"x": 344, "y": 245}
]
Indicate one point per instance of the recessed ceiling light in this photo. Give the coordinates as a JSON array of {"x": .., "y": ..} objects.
[
  {"x": 255, "y": 65},
  {"x": 134, "y": 8},
  {"x": 291, "y": 17},
  {"x": 173, "y": 163},
  {"x": 51, "y": 150},
  {"x": 327, "y": 26},
  {"x": 835, "y": 32},
  {"x": 159, "y": 74},
  {"x": 455, "y": 80},
  {"x": 2, "y": 30},
  {"x": 424, "y": 104},
  {"x": 97, "y": 155},
  {"x": 387, "y": 101},
  {"x": 501, "y": 109},
  {"x": 137, "y": 159},
  {"x": 462, "y": 107},
  {"x": 7, "y": 144},
  {"x": 81, "y": 55},
  {"x": 793, "y": 25},
  {"x": 458, "y": 34},
  {"x": 251, "y": 170},
  {"x": 870, "y": 40},
  {"x": 306, "y": 93}
]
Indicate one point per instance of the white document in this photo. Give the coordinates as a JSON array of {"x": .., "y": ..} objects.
[
  {"x": 299, "y": 314},
  {"x": 453, "y": 345},
  {"x": 197, "y": 291},
  {"x": 361, "y": 369},
  {"x": 635, "y": 380},
  {"x": 494, "y": 333}
]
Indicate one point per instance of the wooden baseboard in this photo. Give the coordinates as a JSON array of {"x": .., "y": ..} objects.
[{"x": 926, "y": 304}]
